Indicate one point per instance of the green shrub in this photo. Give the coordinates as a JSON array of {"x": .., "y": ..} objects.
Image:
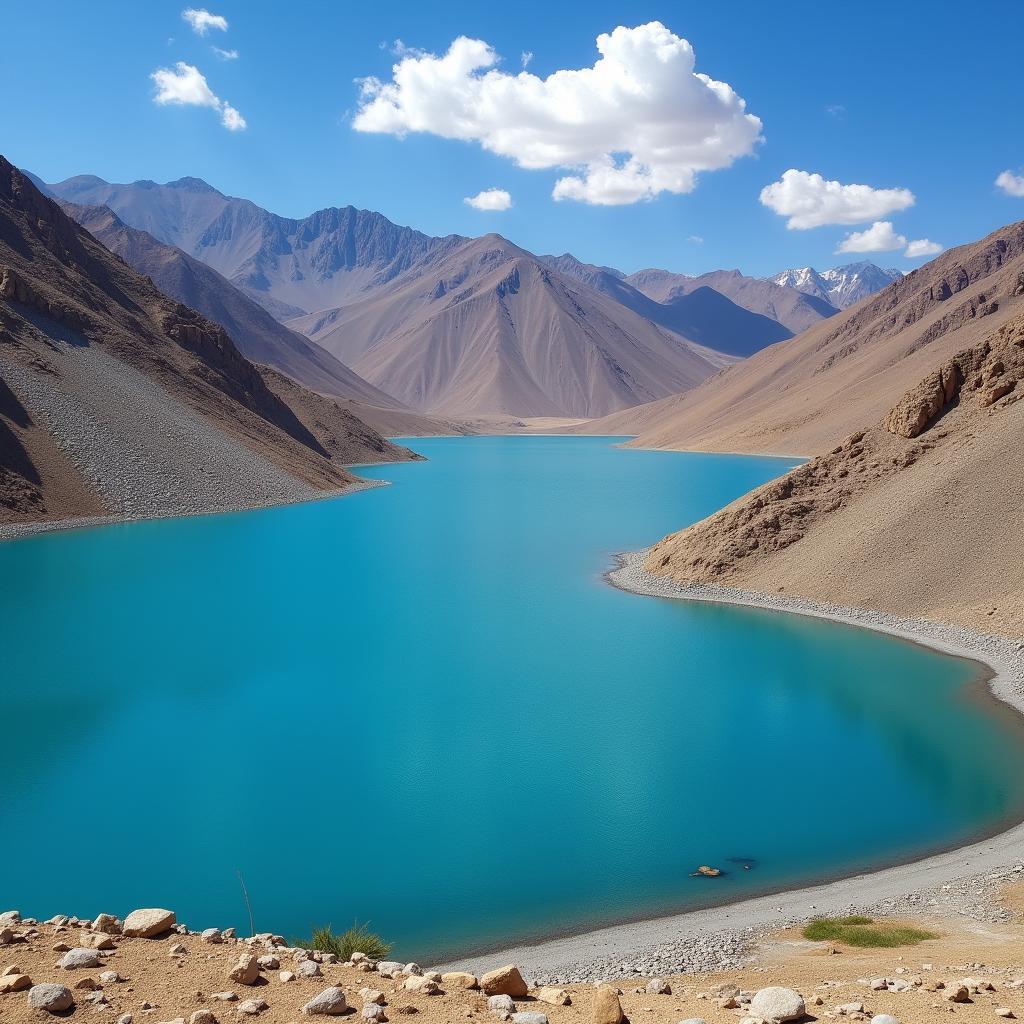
[
  {"x": 358, "y": 939},
  {"x": 862, "y": 931}
]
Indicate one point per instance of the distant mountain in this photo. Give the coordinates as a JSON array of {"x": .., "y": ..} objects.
[
  {"x": 116, "y": 399},
  {"x": 256, "y": 333},
  {"x": 491, "y": 328},
  {"x": 701, "y": 313},
  {"x": 449, "y": 325},
  {"x": 841, "y": 286},
  {"x": 786, "y": 305}
]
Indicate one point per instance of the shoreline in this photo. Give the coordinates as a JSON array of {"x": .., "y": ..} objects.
[
  {"x": 19, "y": 531},
  {"x": 715, "y": 937}
]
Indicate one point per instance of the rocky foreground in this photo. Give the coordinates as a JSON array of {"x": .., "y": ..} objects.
[{"x": 151, "y": 968}]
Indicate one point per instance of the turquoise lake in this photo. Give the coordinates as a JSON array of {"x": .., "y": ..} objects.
[{"x": 423, "y": 707}]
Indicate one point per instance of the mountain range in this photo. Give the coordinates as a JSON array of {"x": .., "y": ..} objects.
[
  {"x": 840, "y": 286},
  {"x": 450, "y": 326}
]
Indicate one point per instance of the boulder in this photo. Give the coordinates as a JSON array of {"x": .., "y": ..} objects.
[
  {"x": 372, "y": 995},
  {"x": 246, "y": 971},
  {"x": 308, "y": 969},
  {"x": 554, "y": 995},
  {"x": 6, "y": 936},
  {"x": 459, "y": 979},
  {"x": 78, "y": 959},
  {"x": 14, "y": 983},
  {"x": 504, "y": 981},
  {"x": 607, "y": 1008},
  {"x": 329, "y": 1003},
  {"x": 51, "y": 998},
  {"x": 501, "y": 1005},
  {"x": 148, "y": 923},
  {"x": 107, "y": 923},
  {"x": 389, "y": 968},
  {"x": 418, "y": 983},
  {"x": 777, "y": 1004}
]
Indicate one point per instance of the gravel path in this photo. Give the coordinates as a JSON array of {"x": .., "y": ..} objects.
[
  {"x": 960, "y": 882},
  {"x": 146, "y": 453}
]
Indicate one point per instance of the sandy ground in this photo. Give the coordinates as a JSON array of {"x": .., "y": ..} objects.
[{"x": 161, "y": 986}]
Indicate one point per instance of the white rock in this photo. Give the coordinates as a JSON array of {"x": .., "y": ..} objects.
[
  {"x": 777, "y": 1004},
  {"x": 148, "y": 923},
  {"x": 51, "y": 998},
  {"x": 76, "y": 959},
  {"x": 329, "y": 1003}
]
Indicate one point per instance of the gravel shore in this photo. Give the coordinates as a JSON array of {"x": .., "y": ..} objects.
[{"x": 957, "y": 883}]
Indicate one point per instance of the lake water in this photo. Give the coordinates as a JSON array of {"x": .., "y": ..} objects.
[{"x": 422, "y": 706}]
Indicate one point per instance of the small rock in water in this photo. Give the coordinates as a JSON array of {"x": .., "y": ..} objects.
[{"x": 706, "y": 871}]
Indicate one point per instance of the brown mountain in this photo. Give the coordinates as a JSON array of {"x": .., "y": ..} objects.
[
  {"x": 803, "y": 396},
  {"x": 490, "y": 328},
  {"x": 256, "y": 333},
  {"x": 118, "y": 400},
  {"x": 788, "y": 306}
]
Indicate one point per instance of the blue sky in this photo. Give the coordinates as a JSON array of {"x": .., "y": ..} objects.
[{"x": 911, "y": 96}]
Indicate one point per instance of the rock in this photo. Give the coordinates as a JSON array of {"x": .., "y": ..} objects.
[
  {"x": 308, "y": 969},
  {"x": 372, "y": 995},
  {"x": 374, "y": 1011},
  {"x": 425, "y": 986},
  {"x": 657, "y": 987},
  {"x": 6, "y": 936},
  {"x": 125, "y": 1018},
  {"x": 51, "y": 998},
  {"x": 178, "y": 949},
  {"x": 110, "y": 977},
  {"x": 958, "y": 994},
  {"x": 106, "y": 923},
  {"x": 287, "y": 976},
  {"x": 921, "y": 405},
  {"x": 77, "y": 959},
  {"x": 96, "y": 940},
  {"x": 329, "y": 1003},
  {"x": 212, "y": 935},
  {"x": 459, "y": 979},
  {"x": 268, "y": 962},
  {"x": 85, "y": 984},
  {"x": 1005, "y": 1012},
  {"x": 14, "y": 983},
  {"x": 504, "y": 981},
  {"x": 389, "y": 968},
  {"x": 553, "y": 995},
  {"x": 693, "y": 1020},
  {"x": 246, "y": 971},
  {"x": 501, "y": 1004},
  {"x": 884, "y": 1018},
  {"x": 9, "y": 917},
  {"x": 148, "y": 923},
  {"x": 433, "y": 976},
  {"x": 203, "y": 1016},
  {"x": 252, "y": 1007},
  {"x": 607, "y": 1008},
  {"x": 529, "y": 1017},
  {"x": 225, "y": 997},
  {"x": 408, "y": 1010},
  {"x": 777, "y": 1004},
  {"x": 849, "y": 1009},
  {"x": 707, "y": 871}
]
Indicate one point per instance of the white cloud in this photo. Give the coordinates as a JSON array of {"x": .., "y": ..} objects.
[
  {"x": 202, "y": 20},
  {"x": 696, "y": 239},
  {"x": 809, "y": 201},
  {"x": 880, "y": 237},
  {"x": 226, "y": 54},
  {"x": 490, "y": 199},
  {"x": 922, "y": 247},
  {"x": 639, "y": 122},
  {"x": 1011, "y": 184},
  {"x": 524, "y": 59},
  {"x": 185, "y": 85}
]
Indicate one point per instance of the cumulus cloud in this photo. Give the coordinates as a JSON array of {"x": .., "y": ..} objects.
[
  {"x": 640, "y": 122},
  {"x": 490, "y": 199},
  {"x": 809, "y": 201},
  {"x": 202, "y": 20},
  {"x": 1011, "y": 184},
  {"x": 880, "y": 237},
  {"x": 922, "y": 247},
  {"x": 226, "y": 54},
  {"x": 185, "y": 85}
]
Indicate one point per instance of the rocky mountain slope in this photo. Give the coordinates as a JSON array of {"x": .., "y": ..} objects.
[
  {"x": 841, "y": 286},
  {"x": 803, "y": 396},
  {"x": 117, "y": 400},
  {"x": 256, "y": 333},
  {"x": 793, "y": 309},
  {"x": 918, "y": 513},
  {"x": 492, "y": 329}
]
